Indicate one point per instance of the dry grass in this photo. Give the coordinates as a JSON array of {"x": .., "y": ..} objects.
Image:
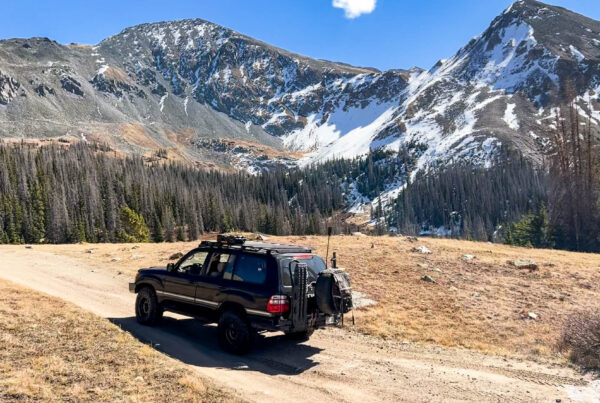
[
  {"x": 136, "y": 134},
  {"x": 116, "y": 74},
  {"x": 476, "y": 303},
  {"x": 581, "y": 338},
  {"x": 51, "y": 350}
]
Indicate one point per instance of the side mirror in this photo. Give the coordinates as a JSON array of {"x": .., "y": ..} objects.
[{"x": 170, "y": 267}]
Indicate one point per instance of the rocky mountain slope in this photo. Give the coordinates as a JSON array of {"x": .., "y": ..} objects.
[{"x": 206, "y": 93}]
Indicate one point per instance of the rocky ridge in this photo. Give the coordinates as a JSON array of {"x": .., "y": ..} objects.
[{"x": 206, "y": 93}]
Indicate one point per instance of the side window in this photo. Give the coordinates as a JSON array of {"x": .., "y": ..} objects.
[
  {"x": 220, "y": 265},
  {"x": 315, "y": 264},
  {"x": 250, "y": 269},
  {"x": 286, "y": 274},
  {"x": 228, "y": 274},
  {"x": 193, "y": 263}
]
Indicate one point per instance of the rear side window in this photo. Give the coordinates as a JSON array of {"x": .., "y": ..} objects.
[
  {"x": 250, "y": 269},
  {"x": 315, "y": 264}
]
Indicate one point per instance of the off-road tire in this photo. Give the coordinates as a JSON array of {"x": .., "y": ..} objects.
[
  {"x": 147, "y": 309},
  {"x": 300, "y": 336},
  {"x": 324, "y": 294},
  {"x": 235, "y": 334}
]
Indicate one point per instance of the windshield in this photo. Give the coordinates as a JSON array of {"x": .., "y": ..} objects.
[{"x": 315, "y": 264}]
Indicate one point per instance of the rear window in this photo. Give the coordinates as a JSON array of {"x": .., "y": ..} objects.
[
  {"x": 315, "y": 264},
  {"x": 250, "y": 269}
]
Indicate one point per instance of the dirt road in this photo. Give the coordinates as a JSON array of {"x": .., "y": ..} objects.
[{"x": 336, "y": 365}]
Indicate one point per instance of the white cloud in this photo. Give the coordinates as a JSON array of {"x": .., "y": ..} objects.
[{"x": 355, "y": 8}]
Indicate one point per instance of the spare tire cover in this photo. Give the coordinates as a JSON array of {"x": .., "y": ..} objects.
[{"x": 324, "y": 293}]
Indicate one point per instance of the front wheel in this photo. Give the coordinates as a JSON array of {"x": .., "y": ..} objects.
[
  {"x": 235, "y": 334},
  {"x": 301, "y": 336},
  {"x": 147, "y": 310}
]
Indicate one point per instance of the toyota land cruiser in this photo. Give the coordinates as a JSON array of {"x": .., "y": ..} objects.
[{"x": 246, "y": 287}]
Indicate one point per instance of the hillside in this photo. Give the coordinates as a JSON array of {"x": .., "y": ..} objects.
[{"x": 207, "y": 93}]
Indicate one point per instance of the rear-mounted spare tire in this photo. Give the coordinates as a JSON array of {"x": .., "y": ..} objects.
[
  {"x": 324, "y": 293},
  {"x": 333, "y": 292}
]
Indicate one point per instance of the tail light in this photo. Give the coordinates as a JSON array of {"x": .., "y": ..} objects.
[{"x": 278, "y": 304}]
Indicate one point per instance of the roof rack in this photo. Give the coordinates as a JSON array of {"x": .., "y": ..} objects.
[
  {"x": 226, "y": 243},
  {"x": 231, "y": 239}
]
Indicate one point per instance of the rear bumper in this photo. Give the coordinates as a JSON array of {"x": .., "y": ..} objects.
[
  {"x": 132, "y": 287},
  {"x": 284, "y": 325}
]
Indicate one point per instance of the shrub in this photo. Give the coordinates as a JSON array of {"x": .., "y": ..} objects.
[
  {"x": 581, "y": 338},
  {"x": 133, "y": 226}
]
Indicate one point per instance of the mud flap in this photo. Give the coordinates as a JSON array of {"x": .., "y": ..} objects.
[{"x": 300, "y": 299}]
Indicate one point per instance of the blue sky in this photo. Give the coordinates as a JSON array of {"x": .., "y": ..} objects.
[{"x": 392, "y": 34}]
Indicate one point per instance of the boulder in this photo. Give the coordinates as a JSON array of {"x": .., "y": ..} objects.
[
  {"x": 524, "y": 264},
  {"x": 428, "y": 279},
  {"x": 71, "y": 85},
  {"x": 422, "y": 249},
  {"x": 529, "y": 315},
  {"x": 8, "y": 89},
  {"x": 360, "y": 300}
]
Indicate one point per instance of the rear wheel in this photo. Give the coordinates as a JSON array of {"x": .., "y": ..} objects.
[
  {"x": 300, "y": 336},
  {"x": 235, "y": 334},
  {"x": 147, "y": 310}
]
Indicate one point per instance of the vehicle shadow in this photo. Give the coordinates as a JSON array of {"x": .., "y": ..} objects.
[{"x": 194, "y": 343}]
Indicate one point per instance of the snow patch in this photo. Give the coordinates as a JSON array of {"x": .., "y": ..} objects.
[
  {"x": 510, "y": 117},
  {"x": 102, "y": 70},
  {"x": 576, "y": 53},
  {"x": 162, "y": 101},
  {"x": 347, "y": 133}
]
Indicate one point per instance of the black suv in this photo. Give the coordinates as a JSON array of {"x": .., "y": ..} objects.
[{"x": 246, "y": 287}]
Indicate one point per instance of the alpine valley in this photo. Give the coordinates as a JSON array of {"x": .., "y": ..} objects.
[{"x": 201, "y": 93}]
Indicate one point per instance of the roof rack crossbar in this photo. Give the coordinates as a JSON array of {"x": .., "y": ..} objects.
[{"x": 256, "y": 247}]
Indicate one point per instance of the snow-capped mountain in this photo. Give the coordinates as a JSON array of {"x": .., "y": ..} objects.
[{"x": 206, "y": 93}]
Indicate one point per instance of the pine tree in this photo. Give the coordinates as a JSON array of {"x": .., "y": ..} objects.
[{"x": 133, "y": 226}]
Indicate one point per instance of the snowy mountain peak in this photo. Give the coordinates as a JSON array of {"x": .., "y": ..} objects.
[{"x": 209, "y": 93}]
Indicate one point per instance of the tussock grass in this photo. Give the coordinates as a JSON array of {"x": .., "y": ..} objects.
[
  {"x": 581, "y": 338},
  {"x": 51, "y": 350}
]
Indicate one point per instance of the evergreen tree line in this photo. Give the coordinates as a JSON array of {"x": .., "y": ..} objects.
[
  {"x": 370, "y": 174},
  {"x": 61, "y": 194},
  {"x": 81, "y": 192},
  {"x": 463, "y": 201}
]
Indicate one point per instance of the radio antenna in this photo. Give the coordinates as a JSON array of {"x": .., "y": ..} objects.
[{"x": 329, "y": 230}]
